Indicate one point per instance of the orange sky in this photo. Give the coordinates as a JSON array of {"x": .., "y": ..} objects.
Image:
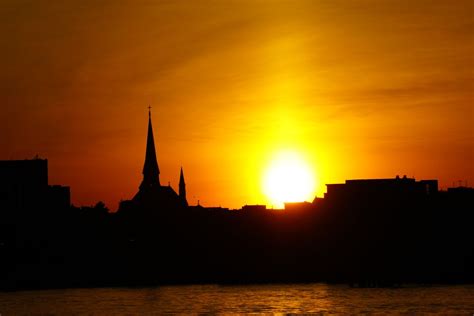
[{"x": 360, "y": 88}]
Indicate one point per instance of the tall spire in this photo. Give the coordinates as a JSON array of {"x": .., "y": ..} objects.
[
  {"x": 182, "y": 187},
  {"x": 151, "y": 172}
]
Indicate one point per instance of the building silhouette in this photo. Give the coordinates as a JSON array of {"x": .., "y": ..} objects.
[
  {"x": 380, "y": 189},
  {"x": 254, "y": 208},
  {"x": 151, "y": 194},
  {"x": 24, "y": 186}
]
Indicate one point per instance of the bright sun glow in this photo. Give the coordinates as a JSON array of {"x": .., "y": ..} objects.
[{"x": 288, "y": 178}]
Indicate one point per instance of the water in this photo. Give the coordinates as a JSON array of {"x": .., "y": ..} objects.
[{"x": 266, "y": 299}]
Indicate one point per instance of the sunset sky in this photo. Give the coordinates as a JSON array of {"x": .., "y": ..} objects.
[{"x": 359, "y": 89}]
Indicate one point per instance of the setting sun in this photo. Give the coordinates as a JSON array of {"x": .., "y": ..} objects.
[{"x": 288, "y": 178}]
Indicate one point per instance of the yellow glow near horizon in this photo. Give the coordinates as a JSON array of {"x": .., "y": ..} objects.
[
  {"x": 230, "y": 82},
  {"x": 288, "y": 178}
]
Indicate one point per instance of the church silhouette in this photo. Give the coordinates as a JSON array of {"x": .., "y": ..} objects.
[{"x": 151, "y": 194}]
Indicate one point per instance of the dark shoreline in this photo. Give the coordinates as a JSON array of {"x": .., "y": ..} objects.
[{"x": 231, "y": 284}]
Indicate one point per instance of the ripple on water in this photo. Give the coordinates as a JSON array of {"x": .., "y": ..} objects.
[{"x": 295, "y": 298}]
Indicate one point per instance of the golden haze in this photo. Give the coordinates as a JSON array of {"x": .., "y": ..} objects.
[{"x": 360, "y": 88}]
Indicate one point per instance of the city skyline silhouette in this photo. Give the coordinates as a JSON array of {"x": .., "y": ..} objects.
[
  {"x": 151, "y": 174},
  {"x": 154, "y": 143},
  {"x": 364, "y": 233},
  {"x": 151, "y": 190}
]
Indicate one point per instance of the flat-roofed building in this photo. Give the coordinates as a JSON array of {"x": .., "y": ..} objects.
[
  {"x": 24, "y": 186},
  {"x": 381, "y": 189}
]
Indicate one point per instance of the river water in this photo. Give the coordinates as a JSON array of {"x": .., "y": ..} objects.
[{"x": 265, "y": 299}]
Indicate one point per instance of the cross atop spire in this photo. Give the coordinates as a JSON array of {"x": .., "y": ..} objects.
[{"x": 151, "y": 171}]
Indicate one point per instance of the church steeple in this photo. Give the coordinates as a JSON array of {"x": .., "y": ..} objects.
[
  {"x": 151, "y": 171},
  {"x": 182, "y": 187}
]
